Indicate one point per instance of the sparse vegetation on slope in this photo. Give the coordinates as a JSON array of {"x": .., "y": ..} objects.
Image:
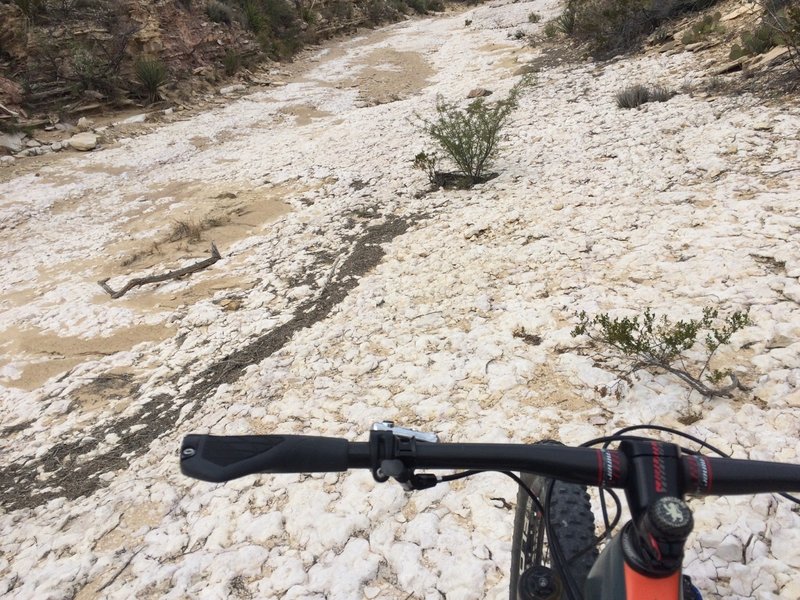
[{"x": 647, "y": 341}]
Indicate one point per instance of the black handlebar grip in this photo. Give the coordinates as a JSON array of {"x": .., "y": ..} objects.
[{"x": 225, "y": 457}]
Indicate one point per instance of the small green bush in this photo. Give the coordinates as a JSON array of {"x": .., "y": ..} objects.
[
  {"x": 232, "y": 61},
  {"x": 281, "y": 14},
  {"x": 551, "y": 30},
  {"x": 32, "y": 8},
  {"x": 758, "y": 41},
  {"x": 151, "y": 73},
  {"x": 633, "y": 96},
  {"x": 87, "y": 68},
  {"x": 636, "y": 95},
  {"x": 660, "y": 93},
  {"x": 427, "y": 164},
  {"x": 219, "y": 12},
  {"x": 470, "y": 136},
  {"x": 613, "y": 26},
  {"x": 702, "y": 29},
  {"x": 565, "y": 22},
  {"x": 534, "y": 17},
  {"x": 253, "y": 18},
  {"x": 418, "y": 6},
  {"x": 646, "y": 341},
  {"x": 661, "y": 35}
]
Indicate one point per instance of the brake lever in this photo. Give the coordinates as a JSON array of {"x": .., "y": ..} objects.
[
  {"x": 388, "y": 446},
  {"x": 405, "y": 432}
]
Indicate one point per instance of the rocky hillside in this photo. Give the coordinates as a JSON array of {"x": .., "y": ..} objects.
[{"x": 67, "y": 55}]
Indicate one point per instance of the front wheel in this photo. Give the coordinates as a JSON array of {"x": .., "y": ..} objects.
[{"x": 572, "y": 522}]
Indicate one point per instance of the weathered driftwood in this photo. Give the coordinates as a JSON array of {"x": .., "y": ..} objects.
[
  {"x": 177, "y": 274},
  {"x": 9, "y": 111}
]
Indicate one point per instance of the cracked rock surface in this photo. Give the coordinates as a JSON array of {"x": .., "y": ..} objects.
[{"x": 345, "y": 296}]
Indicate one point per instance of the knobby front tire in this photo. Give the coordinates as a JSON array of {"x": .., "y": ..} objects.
[{"x": 572, "y": 522}]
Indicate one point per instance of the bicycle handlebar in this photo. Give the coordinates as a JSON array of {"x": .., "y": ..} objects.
[{"x": 221, "y": 458}]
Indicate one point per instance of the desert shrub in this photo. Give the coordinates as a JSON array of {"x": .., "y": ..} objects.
[
  {"x": 660, "y": 93},
  {"x": 219, "y": 12},
  {"x": 281, "y": 15},
  {"x": 87, "y": 67},
  {"x": 699, "y": 31},
  {"x": 436, "y": 5},
  {"x": 469, "y": 136},
  {"x": 187, "y": 4},
  {"x": 565, "y": 22},
  {"x": 418, "y": 6},
  {"x": 661, "y": 35},
  {"x": 534, "y": 17},
  {"x": 253, "y": 18},
  {"x": 427, "y": 164},
  {"x": 646, "y": 341},
  {"x": 757, "y": 41},
  {"x": 551, "y": 30},
  {"x": 612, "y": 26},
  {"x": 232, "y": 61},
  {"x": 151, "y": 73},
  {"x": 32, "y": 8},
  {"x": 635, "y": 95},
  {"x": 790, "y": 31},
  {"x": 379, "y": 11}
]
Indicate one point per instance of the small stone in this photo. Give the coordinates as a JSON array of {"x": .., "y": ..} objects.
[
  {"x": 371, "y": 592},
  {"x": 742, "y": 10},
  {"x": 84, "y": 124},
  {"x": 169, "y": 111},
  {"x": 33, "y": 144},
  {"x": 134, "y": 119},
  {"x": 56, "y": 146},
  {"x": 479, "y": 93},
  {"x": 230, "y": 89},
  {"x": 7, "y": 161},
  {"x": 526, "y": 70},
  {"x": 83, "y": 142},
  {"x": 558, "y": 206},
  {"x": 762, "y": 126}
]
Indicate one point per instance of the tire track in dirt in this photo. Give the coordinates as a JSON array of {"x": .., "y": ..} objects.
[{"x": 65, "y": 476}]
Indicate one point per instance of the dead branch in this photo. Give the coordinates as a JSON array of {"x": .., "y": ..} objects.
[
  {"x": 177, "y": 274},
  {"x": 9, "y": 111}
]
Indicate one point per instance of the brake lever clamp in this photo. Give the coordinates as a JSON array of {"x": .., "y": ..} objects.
[{"x": 392, "y": 451}]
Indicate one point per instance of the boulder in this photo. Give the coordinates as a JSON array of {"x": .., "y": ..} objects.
[
  {"x": 11, "y": 142},
  {"x": 10, "y": 92},
  {"x": 765, "y": 60},
  {"x": 83, "y": 142},
  {"x": 237, "y": 87},
  {"x": 479, "y": 93}
]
